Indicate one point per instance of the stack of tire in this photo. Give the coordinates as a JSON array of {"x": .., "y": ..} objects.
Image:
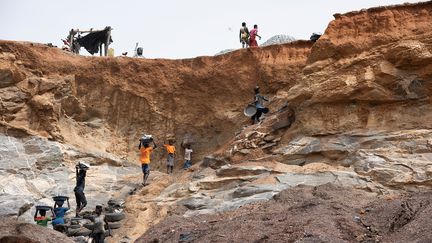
[
  {"x": 75, "y": 229},
  {"x": 114, "y": 219}
]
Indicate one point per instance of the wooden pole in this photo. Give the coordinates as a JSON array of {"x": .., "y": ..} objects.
[
  {"x": 71, "y": 37},
  {"x": 107, "y": 42}
]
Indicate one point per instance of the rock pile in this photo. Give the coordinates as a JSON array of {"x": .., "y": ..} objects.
[{"x": 278, "y": 39}]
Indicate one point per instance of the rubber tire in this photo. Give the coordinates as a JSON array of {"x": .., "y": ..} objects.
[
  {"x": 114, "y": 225},
  {"x": 114, "y": 217},
  {"x": 74, "y": 226},
  {"x": 89, "y": 226},
  {"x": 78, "y": 232}
]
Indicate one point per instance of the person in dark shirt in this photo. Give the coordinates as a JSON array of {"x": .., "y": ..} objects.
[
  {"x": 80, "y": 198},
  {"x": 259, "y": 104}
]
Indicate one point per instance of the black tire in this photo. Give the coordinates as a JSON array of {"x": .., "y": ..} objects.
[
  {"x": 114, "y": 225},
  {"x": 78, "y": 232},
  {"x": 89, "y": 226},
  {"x": 74, "y": 226},
  {"x": 114, "y": 217}
]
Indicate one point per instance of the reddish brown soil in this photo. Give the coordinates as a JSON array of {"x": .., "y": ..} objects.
[{"x": 309, "y": 214}]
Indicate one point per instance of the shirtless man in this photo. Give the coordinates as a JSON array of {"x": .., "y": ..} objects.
[{"x": 244, "y": 35}]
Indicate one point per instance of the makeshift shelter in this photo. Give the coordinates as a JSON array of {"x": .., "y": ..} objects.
[{"x": 92, "y": 41}]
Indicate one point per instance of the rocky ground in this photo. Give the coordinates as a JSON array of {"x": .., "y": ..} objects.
[{"x": 325, "y": 213}]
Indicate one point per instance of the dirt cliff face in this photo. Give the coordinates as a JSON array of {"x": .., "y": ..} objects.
[
  {"x": 355, "y": 32},
  {"x": 57, "y": 109},
  {"x": 106, "y": 104},
  {"x": 362, "y": 100},
  {"x": 358, "y": 116}
]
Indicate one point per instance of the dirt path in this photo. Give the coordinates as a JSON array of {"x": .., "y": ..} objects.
[{"x": 142, "y": 209}]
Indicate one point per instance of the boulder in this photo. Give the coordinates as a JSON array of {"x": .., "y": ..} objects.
[
  {"x": 214, "y": 162},
  {"x": 231, "y": 171}
]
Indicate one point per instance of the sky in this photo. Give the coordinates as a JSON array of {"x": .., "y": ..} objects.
[{"x": 171, "y": 28}]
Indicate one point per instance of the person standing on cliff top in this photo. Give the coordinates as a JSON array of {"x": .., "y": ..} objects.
[
  {"x": 253, "y": 35},
  {"x": 171, "y": 156},
  {"x": 244, "y": 35},
  {"x": 145, "y": 152},
  {"x": 81, "y": 201}
]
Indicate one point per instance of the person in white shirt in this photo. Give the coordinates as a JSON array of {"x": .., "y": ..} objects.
[{"x": 188, "y": 152}]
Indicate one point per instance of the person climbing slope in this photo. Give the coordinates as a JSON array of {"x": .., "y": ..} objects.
[
  {"x": 81, "y": 201},
  {"x": 259, "y": 104},
  {"x": 171, "y": 155},
  {"x": 145, "y": 152},
  {"x": 253, "y": 35},
  {"x": 244, "y": 35}
]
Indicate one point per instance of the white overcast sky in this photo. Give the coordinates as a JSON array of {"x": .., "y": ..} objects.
[{"x": 171, "y": 28}]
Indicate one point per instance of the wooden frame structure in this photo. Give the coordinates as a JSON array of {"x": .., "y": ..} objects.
[{"x": 75, "y": 47}]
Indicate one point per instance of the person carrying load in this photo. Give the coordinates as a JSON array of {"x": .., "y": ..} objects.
[
  {"x": 244, "y": 35},
  {"x": 59, "y": 210},
  {"x": 145, "y": 151},
  {"x": 81, "y": 201},
  {"x": 259, "y": 104}
]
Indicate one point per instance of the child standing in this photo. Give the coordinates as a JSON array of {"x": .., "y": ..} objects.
[
  {"x": 188, "y": 152},
  {"x": 98, "y": 233},
  {"x": 60, "y": 212},
  {"x": 145, "y": 151},
  {"x": 42, "y": 220},
  {"x": 171, "y": 155}
]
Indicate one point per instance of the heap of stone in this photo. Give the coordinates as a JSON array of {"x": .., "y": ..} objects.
[{"x": 278, "y": 39}]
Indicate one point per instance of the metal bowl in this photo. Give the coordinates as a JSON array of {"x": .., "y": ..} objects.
[
  {"x": 250, "y": 110},
  {"x": 43, "y": 207},
  {"x": 60, "y": 198}
]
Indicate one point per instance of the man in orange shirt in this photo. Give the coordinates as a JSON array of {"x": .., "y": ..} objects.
[
  {"x": 145, "y": 151},
  {"x": 171, "y": 155}
]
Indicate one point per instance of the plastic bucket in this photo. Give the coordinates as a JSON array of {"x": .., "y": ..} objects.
[{"x": 250, "y": 110}]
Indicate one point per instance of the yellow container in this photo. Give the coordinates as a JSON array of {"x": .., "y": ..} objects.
[{"x": 111, "y": 52}]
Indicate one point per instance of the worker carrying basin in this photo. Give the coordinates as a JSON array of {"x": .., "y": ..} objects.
[{"x": 255, "y": 109}]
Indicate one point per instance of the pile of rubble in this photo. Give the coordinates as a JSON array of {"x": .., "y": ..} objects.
[{"x": 278, "y": 39}]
